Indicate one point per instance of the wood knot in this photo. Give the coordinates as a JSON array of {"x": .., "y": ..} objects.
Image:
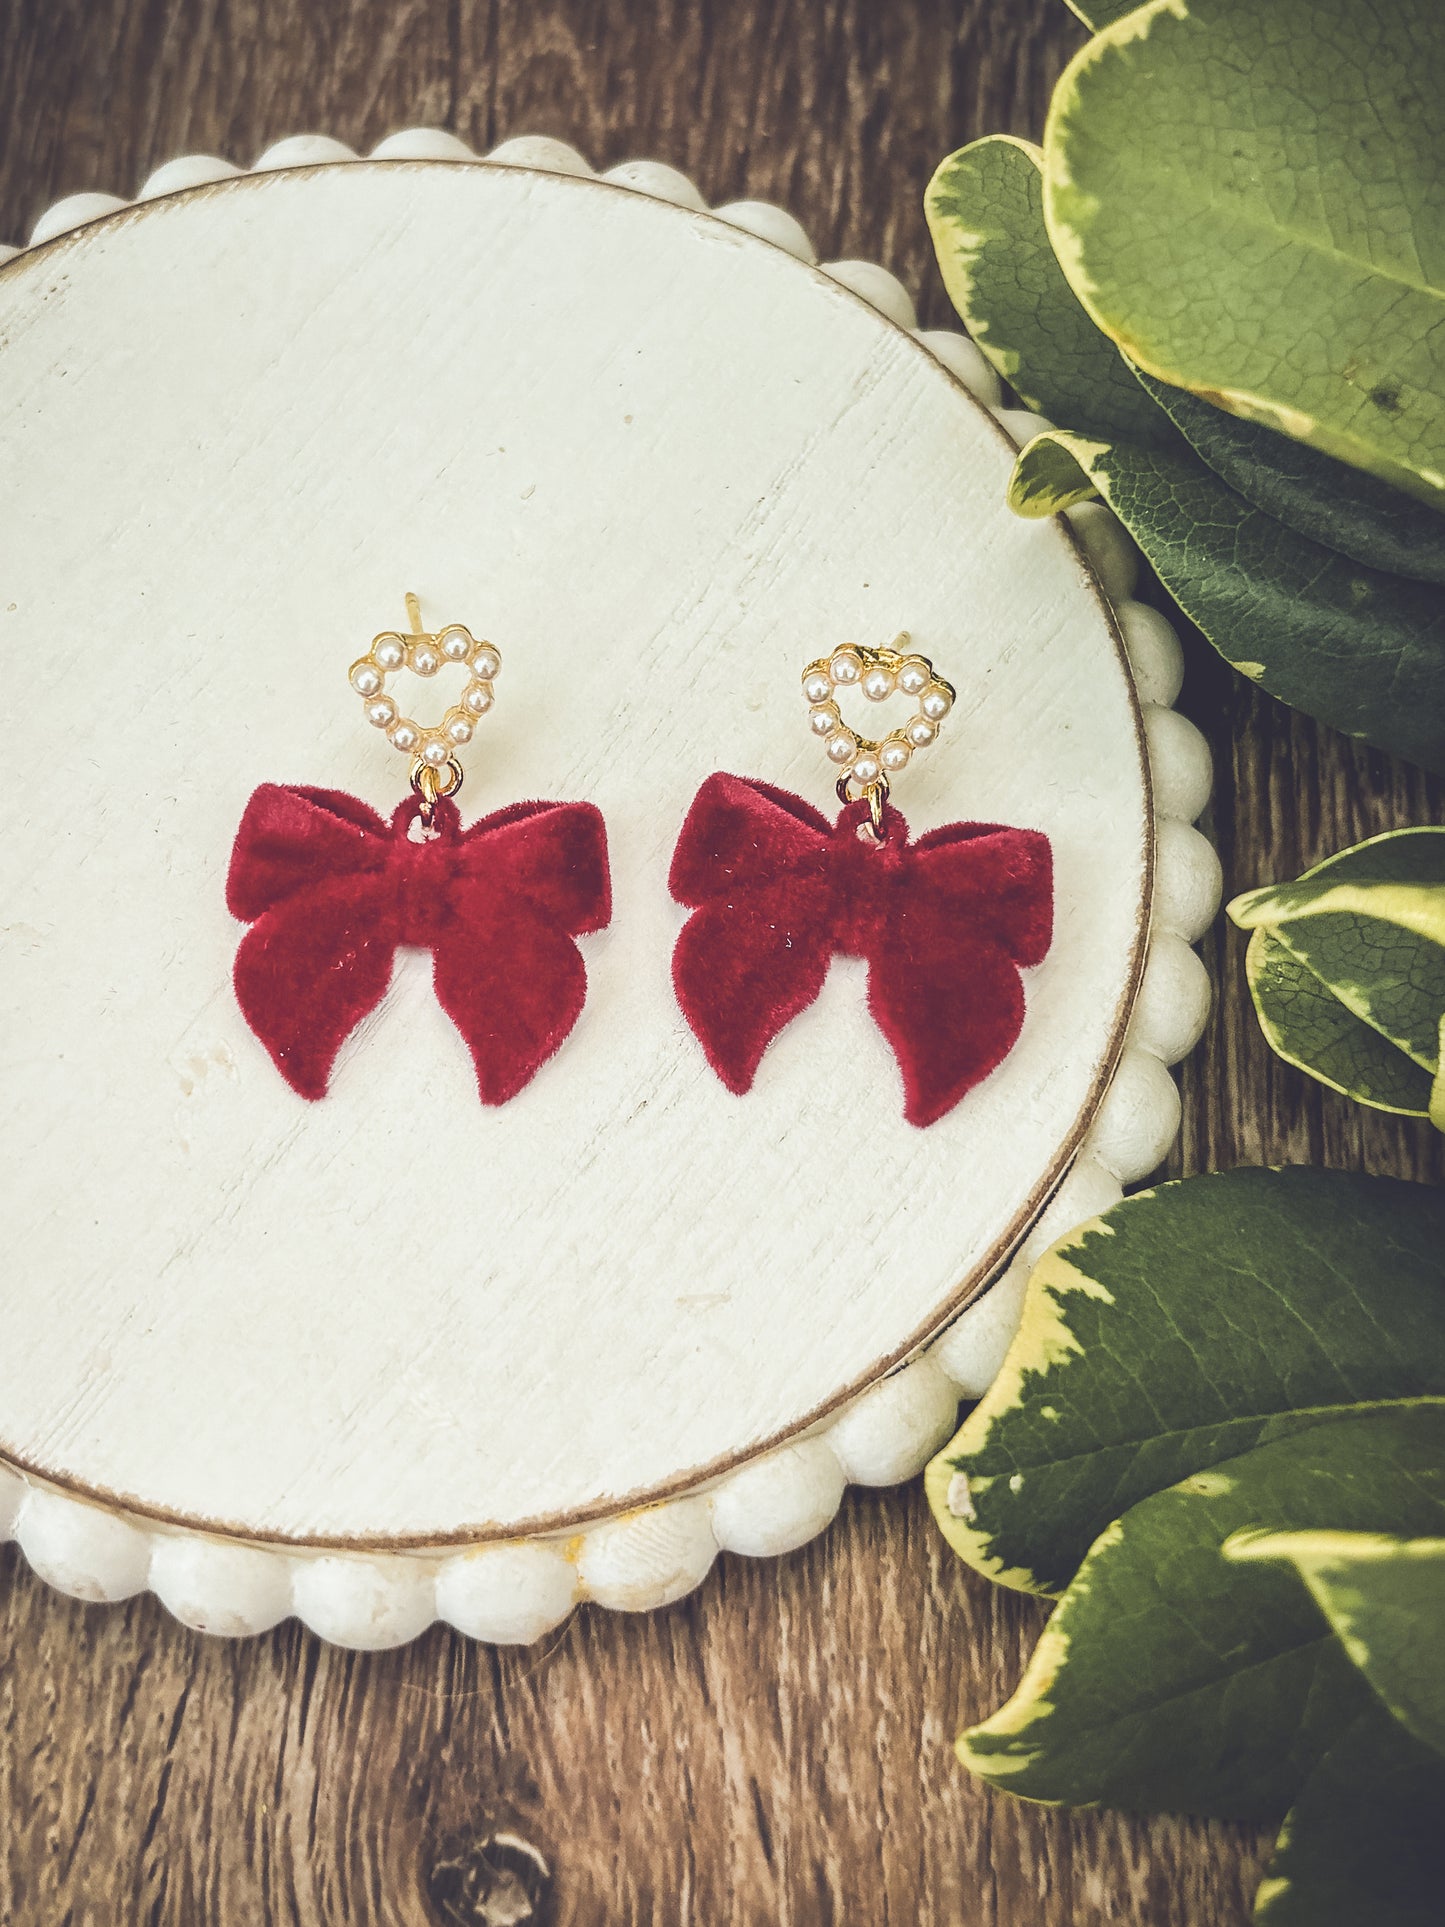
[{"x": 497, "y": 1880}]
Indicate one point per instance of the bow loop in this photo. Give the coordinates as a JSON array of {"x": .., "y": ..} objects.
[
  {"x": 292, "y": 839},
  {"x": 739, "y": 835},
  {"x": 554, "y": 854},
  {"x": 999, "y": 879}
]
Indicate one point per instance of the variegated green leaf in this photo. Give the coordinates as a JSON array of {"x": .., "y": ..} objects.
[
  {"x": 1362, "y": 1846},
  {"x": 985, "y": 213},
  {"x": 1385, "y": 1598},
  {"x": 1170, "y": 1678},
  {"x": 1185, "y": 1326},
  {"x": 1365, "y": 930},
  {"x": 1341, "y": 507},
  {"x": 1098, "y": 13},
  {"x": 1246, "y": 198},
  {"x": 1359, "y": 649},
  {"x": 1048, "y": 477},
  {"x": 1308, "y": 1026}
]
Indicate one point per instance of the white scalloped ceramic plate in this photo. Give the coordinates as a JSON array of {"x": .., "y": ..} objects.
[{"x": 662, "y": 461}]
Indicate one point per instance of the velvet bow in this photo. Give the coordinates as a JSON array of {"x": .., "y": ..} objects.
[
  {"x": 331, "y": 889},
  {"x": 944, "y": 923}
]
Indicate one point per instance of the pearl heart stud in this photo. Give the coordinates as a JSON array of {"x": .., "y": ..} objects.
[
  {"x": 431, "y": 745},
  {"x": 879, "y": 673}
]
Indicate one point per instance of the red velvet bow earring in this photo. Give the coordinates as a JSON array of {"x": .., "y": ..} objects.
[
  {"x": 775, "y": 891},
  {"x": 331, "y": 889}
]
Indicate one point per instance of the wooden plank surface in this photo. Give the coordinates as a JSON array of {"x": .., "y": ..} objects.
[{"x": 775, "y": 1749}]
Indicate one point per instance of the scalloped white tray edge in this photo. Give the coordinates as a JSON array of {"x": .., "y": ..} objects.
[{"x": 513, "y": 1593}]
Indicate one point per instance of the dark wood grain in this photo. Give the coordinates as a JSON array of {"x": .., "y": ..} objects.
[{"x": 775, "y": 1749}]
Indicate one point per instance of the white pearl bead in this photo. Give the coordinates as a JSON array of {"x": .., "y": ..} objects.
[
  {"x": 1154, "y": 652},
  {"x": 895, "y": 753},
  {"x": 382, "y": 713},
  {"x": 365, "y": 677},
  {"x": 389, "y": 651},
  {"x": 936, "y": 702},
  {"x": 846, "y": 666},
  {"x": 817, "y": 686},
  {"x": 486, "y": 663},
  {"x": 878, "y": 684},
  {"x": 456, "y": 645},
  {"x": 404, "y": 737},
  {"x": 914, "y": 676},
  {"x": 436, "y": 752},
  {"x": 478, "y": 698},
  {"x": 866, "y": 770},
  {"x": 824, "y": 719},
  {"x": 424, "y": 659},
  {"x": 843, "y": 747},
  {"x": 921, "y": 732},
  {"x": 459, "y": 730}
]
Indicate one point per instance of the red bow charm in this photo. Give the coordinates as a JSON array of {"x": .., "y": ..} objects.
[
  {"x": 330, "y": 890},
  {"x": 944, "y": 923}
]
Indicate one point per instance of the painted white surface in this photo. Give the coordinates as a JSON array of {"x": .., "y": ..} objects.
[{"x": 661, "y": 464}]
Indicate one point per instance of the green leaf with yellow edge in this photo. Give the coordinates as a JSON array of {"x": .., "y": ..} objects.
[
  {"x": 1363, "y": 932},
  {"x": 1385, "y": 1598},
  {"x": 1185, "y": 1326},
  {"x": 1362, "y": 1846},
  {"x": 1332, "y": 503},
  {"x": 1307, "y": 1025},
  {"x": 1098, "y": 13},
  {"x": 1048, "y": 477},
  {"x": 1246, "y": 199},
  {"x": 1172, "y": 1679},
  {"x": 985, "y": 213},
  {"x": 1359, "y": 649}
]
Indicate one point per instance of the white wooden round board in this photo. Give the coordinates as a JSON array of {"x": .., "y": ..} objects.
[{"x": 661, "y": 461}]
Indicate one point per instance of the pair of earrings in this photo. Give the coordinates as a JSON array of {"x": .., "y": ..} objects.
[{"x": 331, "y": 890}]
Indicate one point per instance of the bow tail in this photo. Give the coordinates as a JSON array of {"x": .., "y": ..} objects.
[
  {"x": 514, "y": 983},
  {"x": 306, "y": 974},
  {"x": 950, "y": 1003},
  {"x": 742, "y": 970}
]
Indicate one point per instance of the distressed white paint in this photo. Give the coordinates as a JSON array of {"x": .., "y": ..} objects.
[{"x": 661, "y": 464}]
